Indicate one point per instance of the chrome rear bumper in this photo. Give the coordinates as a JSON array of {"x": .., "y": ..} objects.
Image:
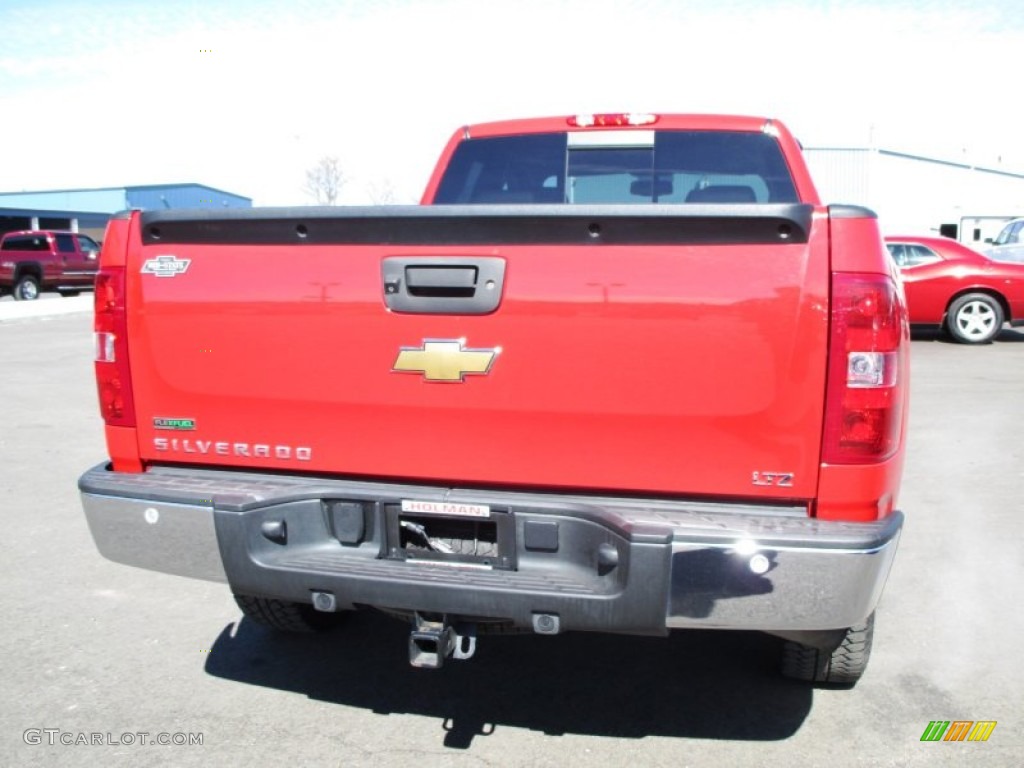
[{"x": 603, "y": 564}]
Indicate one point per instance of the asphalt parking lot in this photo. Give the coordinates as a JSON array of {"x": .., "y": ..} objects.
[{"x": 91, "y": 647}]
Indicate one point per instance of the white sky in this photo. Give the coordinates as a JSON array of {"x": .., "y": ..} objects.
[{"x": 245, "y": 95}]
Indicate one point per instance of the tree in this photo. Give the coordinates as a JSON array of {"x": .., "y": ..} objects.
[
  {"x": 382, "y": 193},
  {"x": 324, "y": 181}
]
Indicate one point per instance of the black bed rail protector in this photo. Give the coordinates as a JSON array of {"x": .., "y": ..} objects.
[{"x": 681, "y": 224}]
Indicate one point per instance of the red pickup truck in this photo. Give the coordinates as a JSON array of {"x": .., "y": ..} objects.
[
  {"x": 619, "y": 373},
  {"x": 32, "y": 261}
]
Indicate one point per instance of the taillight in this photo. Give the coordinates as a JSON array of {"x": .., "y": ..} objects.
[
  {"x": 113, "y": 377},
  {"x": 868, "y": 376}
]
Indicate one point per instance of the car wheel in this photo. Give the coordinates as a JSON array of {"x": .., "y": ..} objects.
[
  {"x": 975, "y": 318},
  {"x": 26, "y": 289},
  {"x": 68, "y": 293},
  {"x": 843, "y": 666},
  {"x": 286, "y": 616}
]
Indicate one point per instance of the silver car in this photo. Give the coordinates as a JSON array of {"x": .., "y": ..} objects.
[{"x": 1009, "y": 243}]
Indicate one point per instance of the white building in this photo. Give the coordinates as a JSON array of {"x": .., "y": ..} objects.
[{"x": 919, "y": 195}]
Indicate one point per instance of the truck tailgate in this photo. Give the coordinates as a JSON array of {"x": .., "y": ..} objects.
[{"x": 675, "y": 352}]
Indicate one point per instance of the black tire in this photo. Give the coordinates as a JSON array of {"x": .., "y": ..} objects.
[
  {"x": 286, "y": 616},
  {"x": 68, "y": 293},
  {"x": 843, "y": 666},
  {"x": 974, "y": 318},
  {"x": 26, "y": 289}
]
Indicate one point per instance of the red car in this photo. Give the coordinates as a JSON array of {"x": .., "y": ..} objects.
[{"x": 953, "y": 287}]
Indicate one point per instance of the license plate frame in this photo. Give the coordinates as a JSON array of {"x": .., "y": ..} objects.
[{"x": 432, "y": 533}]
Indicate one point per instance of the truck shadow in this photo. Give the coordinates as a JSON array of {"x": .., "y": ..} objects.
[{"x": 710, "y": 685}]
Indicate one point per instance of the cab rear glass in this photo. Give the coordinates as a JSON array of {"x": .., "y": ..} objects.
[
  {"x": 709, "y": 167},
  {"x": 25, "y": 243}
]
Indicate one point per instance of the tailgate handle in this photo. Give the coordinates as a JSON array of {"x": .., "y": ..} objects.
[
  {"x": 435, "y": 285},
  {"x": 441, "y": 281}
]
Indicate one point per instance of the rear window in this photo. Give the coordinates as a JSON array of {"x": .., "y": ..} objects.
[
  {"x": 26, "y": 243},
  {"x": 619, "y": 167}
]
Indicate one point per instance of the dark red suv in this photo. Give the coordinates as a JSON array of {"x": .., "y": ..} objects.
[{"x": 46, "y": 260}]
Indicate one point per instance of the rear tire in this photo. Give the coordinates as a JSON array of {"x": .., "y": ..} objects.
[
  {"x": 975, "y": 318},
  {"x": 843, "y": 666},
  {"x": 26, "y": 289},
  {"x": 286, "y": 616}
]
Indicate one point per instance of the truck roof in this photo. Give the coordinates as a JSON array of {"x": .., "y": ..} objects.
[
  {"x": 43, "y": 232},
  {"x": 620, "y": 120}
]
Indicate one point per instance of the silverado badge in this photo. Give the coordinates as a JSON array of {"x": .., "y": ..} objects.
[{"x": 440, "y": 360}]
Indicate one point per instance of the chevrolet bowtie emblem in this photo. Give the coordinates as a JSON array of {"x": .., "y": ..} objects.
[
  {"x": 445, "y": 360},
  {"x": 166, "y": 266}
]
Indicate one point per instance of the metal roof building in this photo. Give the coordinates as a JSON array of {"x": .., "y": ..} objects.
[
  {"x": 913, "y": 194},
  {"x": 87, "y": 210}
]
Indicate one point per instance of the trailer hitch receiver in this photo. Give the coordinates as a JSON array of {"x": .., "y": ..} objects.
[{"x": 431, "y": 641}]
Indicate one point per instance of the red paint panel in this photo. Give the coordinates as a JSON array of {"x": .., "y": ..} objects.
[
  {"x": 675, "y": 369},
  {"x": 866, "y": 491}
]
